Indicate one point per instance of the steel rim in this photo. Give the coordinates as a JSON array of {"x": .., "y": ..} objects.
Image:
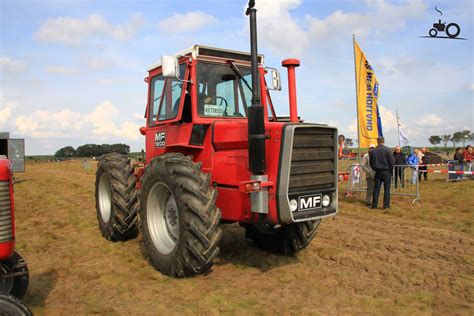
[
  {"x": 162, "y": 218},
  {"x": 6, "y": 284},
  {"x": 105, "y": 198}
]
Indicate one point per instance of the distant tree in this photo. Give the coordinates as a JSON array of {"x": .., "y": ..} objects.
[
  {"x": 349, "y": 142},
  {"x": 471, "y": 137},
  {"x": 457, "y": 138},
  {"x": 435, "y": 140},
  {"x": 65, "y": 152},
  {"x": 446, "y": 139},
  {"x": 466, "y": 135},
  {"x": 95, "y": 150}
]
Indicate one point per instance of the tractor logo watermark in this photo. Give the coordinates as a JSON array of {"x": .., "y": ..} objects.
[{"x": 452, "y": 30}]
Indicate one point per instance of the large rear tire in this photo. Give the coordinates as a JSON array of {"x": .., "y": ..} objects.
[
  {"x": 286, "y": 240},
  {"x": 179, "y": 219},
  {"x": 116, "y": 198},
  {"x": 17, "y": 285}
]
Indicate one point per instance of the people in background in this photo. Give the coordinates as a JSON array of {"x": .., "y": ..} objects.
[
  {"x": 382, "y": 162},
  {"x": 369, "y": 176},
  {"x": 459, "y": 161},
  {"x": 467, "y": 156},
  {"x": 413, "y": 161},
  {"x": 399, "y": 171},
  {"x": 423, "y": 164}
]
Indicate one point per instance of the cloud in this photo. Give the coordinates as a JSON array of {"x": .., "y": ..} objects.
[
  {"x": 73, "y": 31},
  {"x": 102, "y": 123},
  {"x": 5, "y": 113},
  {"x": 389, "y": 119},
  {"x": 60, "y": 70},
  {"x": 430, "y": 120},
  {"x": 11, "y": 65},
  {"x": 380, "y": 18},
  {"x": 291, "y": 35},
  {"x": 187, "y": 22},
  {"x": 282, "y": 32}
]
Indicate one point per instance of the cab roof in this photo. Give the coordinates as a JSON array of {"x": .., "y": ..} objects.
[{"x": 201, "y": 50}]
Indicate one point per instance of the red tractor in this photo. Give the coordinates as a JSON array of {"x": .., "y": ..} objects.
[
  {"x": 216, "y": 152},
  {"x": 13, "y": 270}
]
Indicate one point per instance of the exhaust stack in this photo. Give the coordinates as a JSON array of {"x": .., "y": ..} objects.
[
  {"x": 291, "y": 64},
  {"x": 256, "y": 127}
]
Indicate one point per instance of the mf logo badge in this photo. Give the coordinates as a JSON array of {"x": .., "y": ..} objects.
[
  {"x": 309, "y": 202},
  {"x": 160, "y": 139}
]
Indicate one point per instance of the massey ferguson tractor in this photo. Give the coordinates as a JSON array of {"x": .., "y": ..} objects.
[
  {"x": 216, "y": 152},
  {"x": 13, "y": 270}
]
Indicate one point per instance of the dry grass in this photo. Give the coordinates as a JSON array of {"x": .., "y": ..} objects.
[{"x": 414, "y": 259}]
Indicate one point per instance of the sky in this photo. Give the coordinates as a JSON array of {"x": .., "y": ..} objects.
[{"x": 71, "y": 72}]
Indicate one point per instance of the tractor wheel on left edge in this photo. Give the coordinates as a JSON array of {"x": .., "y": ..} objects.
[
  {"x": 178, "y": 216},
  {"x": 16, "y": 285},
  {"x": 10, "y": 305}
]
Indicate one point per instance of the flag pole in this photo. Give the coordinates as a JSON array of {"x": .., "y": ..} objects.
[
  {"x": 398, "y": 127},
  {"x": 357, "y": 99}
]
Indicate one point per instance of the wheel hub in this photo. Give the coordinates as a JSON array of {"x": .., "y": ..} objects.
[
  {"x": 162, "y": 217},
  {"x": 105, "y": 197}
]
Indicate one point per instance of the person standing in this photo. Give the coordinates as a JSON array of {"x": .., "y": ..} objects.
[
  {"x": 400, "y": 161},
  {"x": 413, "y": 162},
  {"x": 423, "y": 164},
  {"x": 467, "y": 155},
  {"x": 459, "y": 161},
  {"x": 369, "y": 176},
  {"x": 382, "y": 162}
]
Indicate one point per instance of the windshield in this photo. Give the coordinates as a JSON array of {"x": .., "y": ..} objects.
[{"x": 223, "y": 91}]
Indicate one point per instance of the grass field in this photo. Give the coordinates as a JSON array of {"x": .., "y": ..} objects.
[{"x": 415, "y": 259}]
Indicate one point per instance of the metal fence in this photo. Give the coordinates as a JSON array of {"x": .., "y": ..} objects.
[
  {"x": 404, "y": 181},
  {"x": 455, "y": 165}
]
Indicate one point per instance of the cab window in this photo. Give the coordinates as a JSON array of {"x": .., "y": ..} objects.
[{"x": 165, "y": 97}]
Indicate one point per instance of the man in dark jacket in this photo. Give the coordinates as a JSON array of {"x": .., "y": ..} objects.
[
  {"x": 382, "y": 162},
  {"x": 400, "y": 161}
]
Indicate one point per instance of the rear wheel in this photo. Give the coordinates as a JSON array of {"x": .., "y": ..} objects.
[
  {"x": 116, "y": 198},
  {"x": 453, "y": 30},
  {"x": 18, "y": 284},
  {"x": 179, "y": 219},
  {"x": 287, "y": 239}
]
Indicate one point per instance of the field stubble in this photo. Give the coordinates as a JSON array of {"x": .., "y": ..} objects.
[{"x": 414, "y": 259}]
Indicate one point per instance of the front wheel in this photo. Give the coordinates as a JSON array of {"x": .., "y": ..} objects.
[
  {"x": 179, "y": 219},
  {"x": 116, "y": 198},
  {"x": 433, "y": 32},
  {"x": 286, "y": 240}
]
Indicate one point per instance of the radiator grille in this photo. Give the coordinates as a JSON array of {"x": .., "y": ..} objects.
[
  {"x": 312, "y": 161},
  {"x": 5, "y": 212}
]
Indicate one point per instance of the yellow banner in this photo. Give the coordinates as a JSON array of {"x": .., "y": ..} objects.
[{"x": 370, "y": 125}]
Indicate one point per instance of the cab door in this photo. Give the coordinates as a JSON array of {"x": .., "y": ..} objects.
[{"x": 166, "y": 99}]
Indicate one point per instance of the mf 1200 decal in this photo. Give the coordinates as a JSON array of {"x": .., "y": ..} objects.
[{"x": 160, "y": 139}]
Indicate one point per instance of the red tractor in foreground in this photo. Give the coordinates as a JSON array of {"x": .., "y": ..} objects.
[
  {"x": 14, "y": 275},
  {"x": 216, "y": 152}
]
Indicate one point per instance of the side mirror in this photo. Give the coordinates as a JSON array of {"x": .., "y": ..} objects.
[
  {"x": 169, "y": 66},
  {"x": 276, "y": 81}
]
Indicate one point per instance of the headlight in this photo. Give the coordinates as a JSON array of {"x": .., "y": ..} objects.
[
  {"x": 293, "y": 205},
  {"x": 326, "y": 200}
]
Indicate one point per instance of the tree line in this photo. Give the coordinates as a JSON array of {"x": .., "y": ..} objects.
[
  {"x": 460, "y": 137},
  {"x": 91, "y": 150}
]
